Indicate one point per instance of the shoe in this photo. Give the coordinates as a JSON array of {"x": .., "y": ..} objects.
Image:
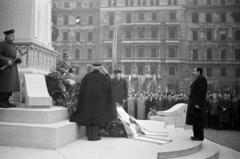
[
  {"x": 4, "y": 105},
  {"x": 196, "y": 138},
  {"x": 10, "y": 104}
]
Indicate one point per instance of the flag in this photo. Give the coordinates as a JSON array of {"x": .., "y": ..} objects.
[{"x": 114, "y": 49}]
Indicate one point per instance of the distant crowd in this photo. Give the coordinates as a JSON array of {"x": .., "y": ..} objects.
[{"x": 222, "y": 110}]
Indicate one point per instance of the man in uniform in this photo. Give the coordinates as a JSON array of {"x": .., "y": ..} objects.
[
  {"x": 96, "y": 105},
  {"x": 9, "y": 78},
  {"x": 63, "y": 65},
  {"x": 196, "y": 104},
  {"x": 120, "y": 89}
]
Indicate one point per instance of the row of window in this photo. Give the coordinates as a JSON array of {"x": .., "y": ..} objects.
[
  {"x": 221, "y": 34},
  {"x": 209, "y": 54},
  {"x": 141, "y": 2},
  {"x": 77, "y": 36},
  {"x": 78, "y": 20},
  {"x": 209, "y": 2},
  {"x": 224, "y": 72},
  {"x": 83, "y": 4},
  {"x": 210, "y": 17}
]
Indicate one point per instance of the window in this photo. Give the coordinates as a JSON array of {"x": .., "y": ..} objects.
[
  {"x": 131, "y": 2},
  {"x": 223, "y": 72},
  {"x": 129, "y": 17},
  {"x": 195, "y": 2},
  {"x": 77, "y": 54},
  {"x": 195, "y": 35},
  {"x": 157, "y": 2},
  {"x": 126, "y": 2},
  {"x": 195, "y": 54},
  {"x": 224, "y": 54},
  {"x": 172, "y": 15},
  {"x": 65, "y": 36},
  {"x": 110, "y": 69},
  {"x": 223, "y": 17},
  {"x": 128, "y": 52},
  {"x": 66, "y": 5},
  {"x": 141, "y": 16},
  {"x": 172, "y": 2},
  {"x": 154, "y": 16},
  {"x": 109, "y": 52},
  {"x": 237, "y": 72},
  {"x": 55, "y": 5},
  {"x": 209, "y": 72},
  {"x": 153, "y": 70},
  {"x": 209, "y": 18},
  {"x": 153, "y": 52},
  {"x": 78, "y": 20},
  {"x": 151, "y": 2},
  {"x": 171, "y": 71},
  {"x": 172, "y": 32},
  {"x": 139, "y": 2},
  {"x": 79, "y": 5},
  {"x": 237, "y": 35},
  {"x": 54, "y": 19},
  {"x": 140, "y": 70},
  {"x": 65, "y": 20},
  {"x": 209, "y": 35},
  {"x": 90, "y": 36},
  {"x": 128, "y": 33},
  {"x": 112, "y": 2},
  {"x": 141, "y": 52},
  {"x": 127, "y": 69},
  {"x": 209, "y": 54},
  {"x": 222, "y": 1},
  {"x": 195, "y": 17},
  {"x": 89, "y": 54},
  {"x": 144, "y": 2},
  {"x": 223, "y": 35},
  {"x": 110, "y": 34},
  {"x": 237, "y": 54},
  {"x": 154, "y": 33},
  {"x": 209, "y": 1},
  {"x": 141, "y": 32},
  {"x": 90, "y": 20},
  {"x": 91, "y": 4},
  {"x": 111, "y": 19},
  {"x": 210, "y": 87},
  {"x": 77, "y": 70},
  {"x": 77, "y": 36},
  {"x": 172, "y": 50}
]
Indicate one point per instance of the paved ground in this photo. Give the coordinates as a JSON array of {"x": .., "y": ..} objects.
[{"x": 227, "y": 138}]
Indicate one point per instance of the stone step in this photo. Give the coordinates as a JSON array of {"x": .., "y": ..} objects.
[
  {"x": 43, "y": 136},
  {"x": 208, "y": 151},
  {"x": 22, "y": 114},
  {"x": 225, "y": 152}
]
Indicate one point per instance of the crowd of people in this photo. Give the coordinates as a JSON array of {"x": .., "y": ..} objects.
[{"x": 222, "y": 110}]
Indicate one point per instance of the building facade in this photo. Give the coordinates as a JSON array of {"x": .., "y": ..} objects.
[
  {"x": 76, "y": 30},
  {"x": 213, "y": 41}
]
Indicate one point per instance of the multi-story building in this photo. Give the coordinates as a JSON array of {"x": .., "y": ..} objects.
[
  {"x": 76, "y": 31},
  {"x": 150, "y": 41},
  {"x": 213, "y": 41}
]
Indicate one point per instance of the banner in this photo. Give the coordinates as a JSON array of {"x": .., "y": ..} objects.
[{"x": 114, "y": 49}]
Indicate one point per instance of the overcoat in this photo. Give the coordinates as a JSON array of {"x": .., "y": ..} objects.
[
  {"x": 9, "y": 78},
  {"x": 96, "y": 105},
  {"x": 120, "y": 90},
  {"x": 224, "y": 116},
  {"x": 197, "y": 97},
  {"x": 149, "y": 105}
]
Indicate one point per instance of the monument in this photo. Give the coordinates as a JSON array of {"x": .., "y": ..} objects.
[{"x": 45, "y": 126}]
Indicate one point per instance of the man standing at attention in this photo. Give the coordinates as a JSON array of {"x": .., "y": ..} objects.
[
  {"x": 9, "y": 78},
  {"x": 196, "y": 104},
  {"x": 96, "y": 105},
  {"x": 120, "y": 86}
]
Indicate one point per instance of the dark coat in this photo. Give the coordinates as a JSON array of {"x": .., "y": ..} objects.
[
  {"x": 120, "y": 90},
  {"x": 96, "y": 105},
  {"x": 224, "y": 116},
  {"x": 9, "y": 78},
  {"x": 197, "y": 97},
  {"x": 168, "y": 104}
]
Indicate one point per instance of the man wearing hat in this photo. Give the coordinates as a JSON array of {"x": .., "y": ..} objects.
[
  {"x": 9, "y": 78},
  {"x": 120, "y": 89},
  {"x": 96, "y": 105},
  {"x": 64, "y": 67}
]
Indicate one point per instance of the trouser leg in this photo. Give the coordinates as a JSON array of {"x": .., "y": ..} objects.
[
  {"x": 198, "y": 132},
  {"x": 95, "y": 133},
  {"x": 89, "y": 132}
]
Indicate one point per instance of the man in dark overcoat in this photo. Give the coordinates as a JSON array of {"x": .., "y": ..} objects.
[
  {"x": 120, "y": 86},
  {"x": 9, "y": 78},
  {"x": 96, "y": 104},
  {"x": 224, "y": 113},
  {"x": 196, "y": 104}
]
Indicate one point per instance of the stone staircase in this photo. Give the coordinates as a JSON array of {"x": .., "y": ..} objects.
[
  {"x": 38, "y": 128},
  {"x": 183, "y": 75}
]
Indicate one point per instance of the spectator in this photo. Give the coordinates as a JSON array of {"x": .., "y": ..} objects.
[
  {"x": 224, "y": 113},
  {"x": 214, "y": 106}
]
